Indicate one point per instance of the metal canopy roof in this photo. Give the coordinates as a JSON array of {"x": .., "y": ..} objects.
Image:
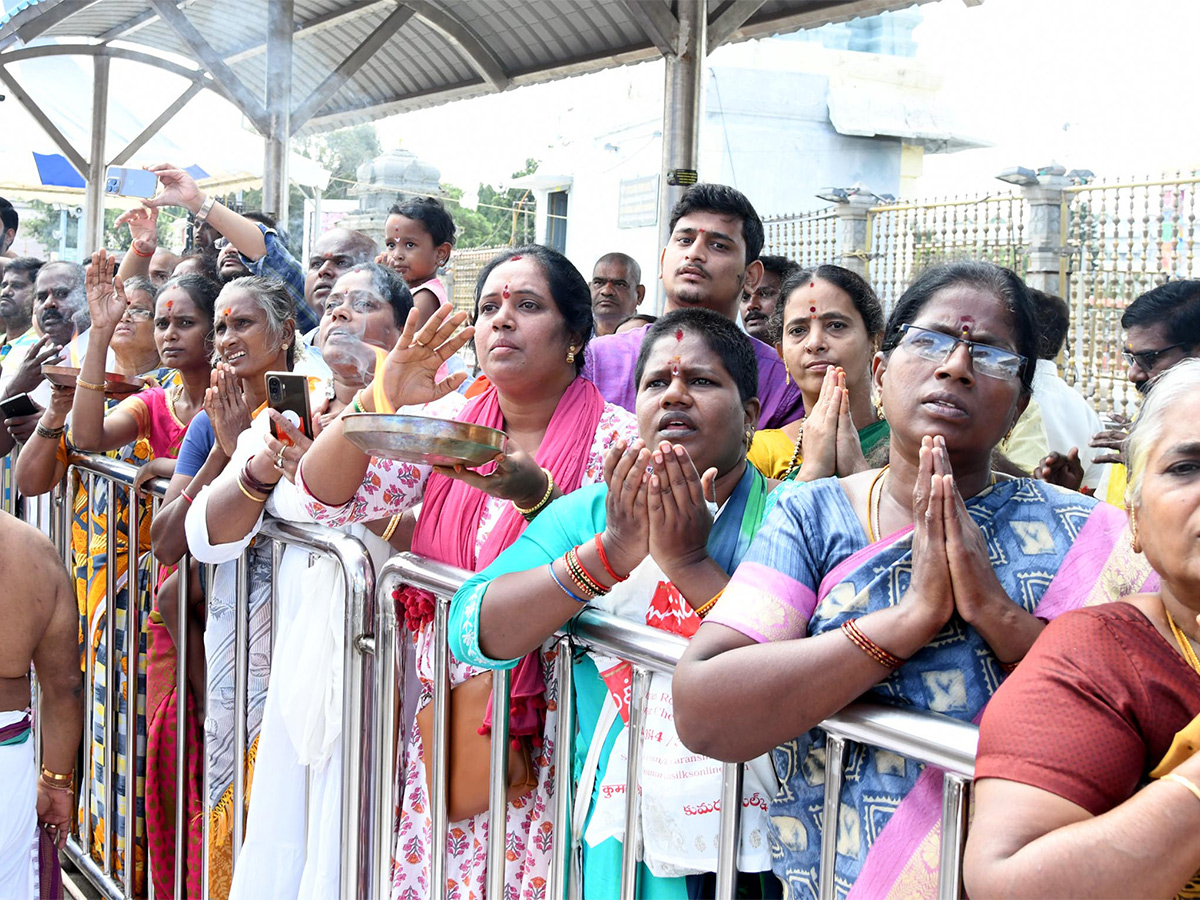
[{"x": 357, "y": 60}]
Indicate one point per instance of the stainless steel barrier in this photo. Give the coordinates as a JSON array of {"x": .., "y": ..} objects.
[
  {"x": 99, "y": 472},
  {"x": 924, "y": 737},
  {"x": 373, "y": 653}
]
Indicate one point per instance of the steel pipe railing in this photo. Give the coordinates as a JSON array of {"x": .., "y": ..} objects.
[
  {"x": 374, "y": 655},
  {"x": 925, "y": 737},
  {"x": 359, "y": 867}
]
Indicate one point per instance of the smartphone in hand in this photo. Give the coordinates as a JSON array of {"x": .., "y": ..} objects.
[
  {"x": 18, "y": 405},
  {"x": 123, "y": 182},
  {"x": 287, "y": 394}
]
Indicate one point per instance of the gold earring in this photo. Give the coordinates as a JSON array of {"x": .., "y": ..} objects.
[
  {"x": 787, "y": 376},
  {"x": 1008, "y": 434},
  {"x": 1134, "y": 544},
  {"x": 749, "y": 437},
  {"x": 878, "y": 401},
  {"x": 570, "y": 356}
]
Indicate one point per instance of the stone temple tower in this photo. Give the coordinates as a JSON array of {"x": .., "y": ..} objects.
[{"x": 387, "y": 179}]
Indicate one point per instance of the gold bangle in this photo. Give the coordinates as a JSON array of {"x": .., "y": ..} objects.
[
  {"x": 537, "y": 507},
  {"x": 56, "y": 778},
  {"x": 391, "y": 529},
  {"x": 242, "y": 488},
  {"x": 88, "y": 386},
  {"x": 707, "y": 607},
  {"x": 1186, "y": 782}
]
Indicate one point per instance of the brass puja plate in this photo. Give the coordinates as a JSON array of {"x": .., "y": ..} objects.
[
  {"x": 114, "y": 385},
  {"x": 424, "y": 439}
]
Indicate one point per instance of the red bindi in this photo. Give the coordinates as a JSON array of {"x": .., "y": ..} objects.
[
  {"x": 505, "y": 293},
  {"x": 812, "y": 284},
  {"x": 679, "y": 334},
  {"x": 812, "y": 309},
  {"x": 228, "y": 310},
  {"x": 170, "y": 303}
]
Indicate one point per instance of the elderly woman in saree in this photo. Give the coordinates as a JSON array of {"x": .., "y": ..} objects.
[
  {"x": 921, "y": 583},
  {"x": 532, "y": 320},
  {"x": 1087, "y": 780},
  {"x": 293, "y": 837},
  {"x": 648, "y": 548},
  {"x": 253, "y": 333}
]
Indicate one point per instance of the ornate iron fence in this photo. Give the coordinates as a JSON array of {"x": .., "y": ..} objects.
[
  {"x": 809, "y": 238},
  {"x": 904, "y": 238},
  {"x": 1120, "y": 239}
]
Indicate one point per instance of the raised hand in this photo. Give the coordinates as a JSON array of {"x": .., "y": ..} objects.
[
  {"x": 679, "y": 517},
  {"x": 178, "y": 188},
  {"x": 931, "y": 589},
  {"x": 226, "y": 407},
  {"x": 627, "y": 530},
  {"x": 105, "y": 294},
  {"x": 143, "y": 227},
  {"x": 1065, "y": 471},
  {"x": 29, "y": 374},
  {"x": 410, "y": 370},
  {"x": 819, "y": 442},
  {"x": 517, "y": 477},
  {"x": 850, "y": 457}
]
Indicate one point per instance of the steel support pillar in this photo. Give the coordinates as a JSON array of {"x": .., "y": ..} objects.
[
  {"x": 93, "y": 233},
  {"x": 280, "y": 15},
  {"x": 681, "y": 111}
]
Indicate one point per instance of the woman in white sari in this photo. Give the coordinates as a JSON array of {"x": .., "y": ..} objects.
[{"x": 293, "y": 836}]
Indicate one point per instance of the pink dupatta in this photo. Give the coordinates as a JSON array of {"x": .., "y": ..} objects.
[{"x": 446, "y": 529}]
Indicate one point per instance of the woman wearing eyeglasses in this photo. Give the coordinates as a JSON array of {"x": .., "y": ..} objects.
[{"x": 923, "y": 582}]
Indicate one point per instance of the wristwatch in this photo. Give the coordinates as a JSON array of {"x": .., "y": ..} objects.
[{"x": 205, "y": 209}]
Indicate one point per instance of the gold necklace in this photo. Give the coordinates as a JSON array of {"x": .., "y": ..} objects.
[
  {"x": 871, "y": 522},
  {"x": 1184, "y": 644},
  {"x": 795, "y": 453}
]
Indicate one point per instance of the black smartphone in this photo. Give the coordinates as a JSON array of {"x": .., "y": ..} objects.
[
  {"x": 18, "y": 405},
  {"x": 287, "y": 394}
]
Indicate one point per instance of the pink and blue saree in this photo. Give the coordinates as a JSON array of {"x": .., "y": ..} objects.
[{"x": 811, "y": 568}]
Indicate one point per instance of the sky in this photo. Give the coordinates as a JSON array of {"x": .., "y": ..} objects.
[{"x": 1099, "y": 84}]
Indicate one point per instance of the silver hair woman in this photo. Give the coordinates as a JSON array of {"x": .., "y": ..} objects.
[{"x": 1088, "y": 785}]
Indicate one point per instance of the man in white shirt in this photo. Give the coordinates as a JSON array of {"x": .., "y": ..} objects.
[{"x": 1067, "y": 419}]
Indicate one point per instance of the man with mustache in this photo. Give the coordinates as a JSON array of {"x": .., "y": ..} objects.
[
  {"x": 16, "y": 304},
  {"x": 59, "y": 309},
  {"x": 617, "y": 290},
  {"x": 709, "y": 261},
  {"x": 759, "y": 304}
]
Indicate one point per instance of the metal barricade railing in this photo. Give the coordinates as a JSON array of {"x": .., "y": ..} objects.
[
  {"x": 117, "y": 478},
  {"x": 924, "y": 737}
]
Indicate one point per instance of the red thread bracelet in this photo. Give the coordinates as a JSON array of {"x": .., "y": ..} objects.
[
  {"x": 184, "y": 495},
  {"x": 137, "y": 252},
  {"x": 604, "y": 560}
]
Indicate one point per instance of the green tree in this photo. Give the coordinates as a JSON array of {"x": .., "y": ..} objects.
[{"x": 503, "y": 217}]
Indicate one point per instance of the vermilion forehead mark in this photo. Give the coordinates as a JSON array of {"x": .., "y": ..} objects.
[
  {"x": 514, "y": 258},
  {"x": 505, "y": 293},
  {"x": 170, "y": 303},
  {"x": 679, "y": 334},
  {"x": 967, "y": 322},
  {"x": 228, "y": 310}
]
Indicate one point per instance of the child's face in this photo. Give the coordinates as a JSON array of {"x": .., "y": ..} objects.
[{"x": 411, "y": 251}]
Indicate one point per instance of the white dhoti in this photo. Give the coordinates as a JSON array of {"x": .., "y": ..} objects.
[{"x": 18, "y": 824}]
